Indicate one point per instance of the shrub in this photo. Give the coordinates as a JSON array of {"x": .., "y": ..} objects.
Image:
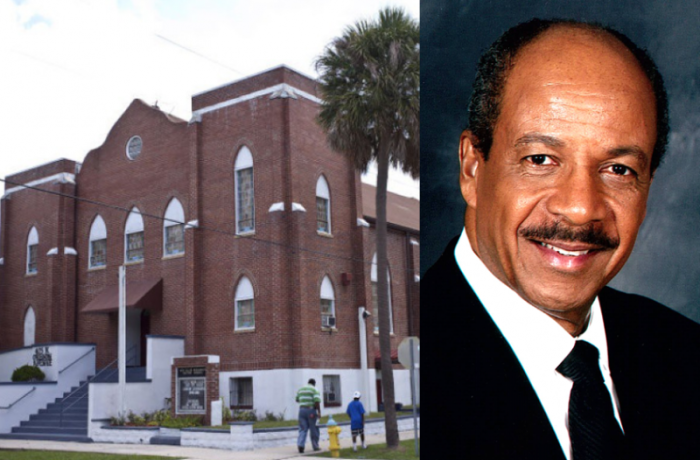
[
  {"x": 161, "y": 416},
  {"x": 244, "y": 416},
  {"x": 272, "y": 417},
  {"x": 117, "y": 420},
  {"x": 28, "y": 373},
  {"x": 225, "y": 411},
  {"x": 183, "y": 422}
]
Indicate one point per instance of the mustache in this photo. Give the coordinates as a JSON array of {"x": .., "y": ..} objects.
[{"x": 589, "y": 234}]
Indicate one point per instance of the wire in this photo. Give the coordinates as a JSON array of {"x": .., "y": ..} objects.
[
  {"x": 316, "y": 254},
  {"x": 197, "y": 54}
]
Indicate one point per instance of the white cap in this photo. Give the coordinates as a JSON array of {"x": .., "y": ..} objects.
[{"x": 356, "y": 394}]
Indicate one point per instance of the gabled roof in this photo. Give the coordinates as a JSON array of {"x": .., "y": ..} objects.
[{"x": 400, "y": 210}]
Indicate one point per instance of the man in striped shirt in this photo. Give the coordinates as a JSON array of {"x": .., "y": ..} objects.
[{"x": 309, "y": 400}]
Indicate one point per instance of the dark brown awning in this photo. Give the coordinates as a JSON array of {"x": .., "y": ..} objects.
[{"x": 145, "y": 294}]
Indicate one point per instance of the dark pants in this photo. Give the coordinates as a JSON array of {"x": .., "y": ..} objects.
[{"x": 307, "y": 421}]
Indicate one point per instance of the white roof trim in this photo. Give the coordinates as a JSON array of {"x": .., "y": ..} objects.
[
  {"x": 52, "y": 252},
  {"x": 64, "y": 178},
  {"x": 254, "y": 95},
  {"x": 276, "y": 207},
  {"x": 298, "y": 207},
  {"x": 362, "y": 223},
  {"x": 70, "y": 251}
]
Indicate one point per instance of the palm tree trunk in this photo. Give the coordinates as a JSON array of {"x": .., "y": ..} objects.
[{"x": 391, "y": 427}]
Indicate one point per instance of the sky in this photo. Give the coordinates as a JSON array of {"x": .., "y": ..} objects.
[{"x": 70, "y": 68}]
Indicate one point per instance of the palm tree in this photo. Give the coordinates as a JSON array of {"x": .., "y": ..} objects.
[{"x": 370, "y": 87}]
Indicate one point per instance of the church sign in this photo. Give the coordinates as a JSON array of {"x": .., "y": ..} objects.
[
  {"x": 191, "y": 390},
  {"x": 42, "y": 357}
]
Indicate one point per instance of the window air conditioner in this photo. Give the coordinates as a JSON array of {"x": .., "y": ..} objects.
[{"x": 328, "y": 321}]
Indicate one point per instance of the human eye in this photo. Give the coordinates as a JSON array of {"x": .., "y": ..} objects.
[
  {"x": 621, "y": 170},
  {"x": 539, "y": 160}
]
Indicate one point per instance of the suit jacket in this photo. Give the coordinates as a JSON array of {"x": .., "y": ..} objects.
[{"x": 479, "y": 398}]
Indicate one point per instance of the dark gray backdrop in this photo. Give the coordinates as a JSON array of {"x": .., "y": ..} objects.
[{"x": 665, "y": 264}]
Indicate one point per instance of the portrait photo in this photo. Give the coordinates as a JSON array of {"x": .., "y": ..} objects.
[{"x": 559, "y": 188}]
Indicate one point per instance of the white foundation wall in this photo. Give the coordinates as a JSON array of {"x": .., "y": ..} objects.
[
  {"x": 275, "y": 390},
  {"x": 140, "y": 396}
]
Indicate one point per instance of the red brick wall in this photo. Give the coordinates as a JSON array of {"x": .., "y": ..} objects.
[
  {"x": 286, "y": 259},
  {"x": 149, "y": 182},
  {"x": 51, "y": 291}
]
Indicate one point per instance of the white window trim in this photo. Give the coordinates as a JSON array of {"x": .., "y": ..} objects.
[
  {"x": 134, "y": 224},
  {"x": 128, "y": 143},
  {"x": 32, "y": 240},
  {"x": 244, "y": 160},
  {"x": 323, "y": 191},
  {"x": 339, "y": 390},
  {"x": 24, "y": 333},
  {"x": 244, "y": 291},
  {"x": 98, "y": 231},
  {"x": 174, "y": 215},
  {"x": 328, "y": 293},
  {"x": 373, "y": 278}
]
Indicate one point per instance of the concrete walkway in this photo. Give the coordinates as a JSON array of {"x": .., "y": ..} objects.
[{"x": 189, "y": 453}]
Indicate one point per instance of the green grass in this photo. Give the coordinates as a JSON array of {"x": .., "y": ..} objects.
[
  {"x": 405, "y": 451},
  {"x": 287, "y": 423},
  {"x": 61, "y": 455}
]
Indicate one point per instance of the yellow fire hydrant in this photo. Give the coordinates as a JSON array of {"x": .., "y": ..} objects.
[{"x": 333, "y": 432}]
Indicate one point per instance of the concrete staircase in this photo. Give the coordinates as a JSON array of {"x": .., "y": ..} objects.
[{"x": 65, "y": 419}]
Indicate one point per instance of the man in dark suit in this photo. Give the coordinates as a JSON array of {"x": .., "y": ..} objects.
[{"x": 568, "y": 123}]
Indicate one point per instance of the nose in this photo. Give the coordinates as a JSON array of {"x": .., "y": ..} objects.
[{"x": 578, "y": 198}]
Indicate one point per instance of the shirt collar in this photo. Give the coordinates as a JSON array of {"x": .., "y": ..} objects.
[{"x": 537, "y": 340}]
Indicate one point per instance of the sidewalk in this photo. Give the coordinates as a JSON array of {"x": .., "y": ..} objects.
[{"x": 189, "y": 453}]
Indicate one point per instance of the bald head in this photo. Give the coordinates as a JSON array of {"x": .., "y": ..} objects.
[{"x": 504, "y": 60}]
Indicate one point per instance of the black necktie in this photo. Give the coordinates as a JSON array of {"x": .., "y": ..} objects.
[{"x": 593, "y": 429}]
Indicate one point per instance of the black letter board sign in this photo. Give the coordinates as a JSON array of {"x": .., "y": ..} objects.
[{"x": 191, "y": 390}]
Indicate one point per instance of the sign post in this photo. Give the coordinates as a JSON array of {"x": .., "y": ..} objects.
[{"x": 409, "y": 357}]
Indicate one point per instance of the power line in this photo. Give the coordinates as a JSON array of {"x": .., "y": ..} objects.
[
  {"x": 197, "y": 54},
  {"x": 319, "y": 255}
]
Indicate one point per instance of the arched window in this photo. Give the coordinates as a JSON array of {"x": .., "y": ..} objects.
[
  {"x": 174, "y": 229},
  {"x": 245, "y": 305},
  {"x": 375, "y": 302},
  {"x": 323, "y": 206},
  {"x": 29, "y": 327},
  {"x": 327, "y": 303},
  {"x": 32, "y": 250},
  {"x": 245, "y": 198},
  {"x": 133, "y": 237},
  {"x": 98, "y": 243}
]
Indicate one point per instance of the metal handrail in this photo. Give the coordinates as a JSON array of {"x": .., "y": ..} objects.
[
  {"x": 21, "y": 398},
  {"x": 87, "y": 353},
  {"x": 88, "y": 381}
]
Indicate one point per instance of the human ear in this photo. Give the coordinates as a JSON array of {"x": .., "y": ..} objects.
[{"x": 469, "y": 159}]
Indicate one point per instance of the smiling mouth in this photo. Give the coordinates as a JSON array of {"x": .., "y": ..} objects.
[{"x": 564, "y": 252}]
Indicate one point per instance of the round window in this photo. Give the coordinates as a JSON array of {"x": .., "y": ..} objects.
[{"x": 133, "y": 147}]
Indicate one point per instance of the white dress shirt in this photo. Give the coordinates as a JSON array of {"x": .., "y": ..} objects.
[{"x": 539, "y": 343}]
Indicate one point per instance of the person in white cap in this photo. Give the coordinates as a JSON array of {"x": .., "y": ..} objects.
[{"x": 356, "y": 412}]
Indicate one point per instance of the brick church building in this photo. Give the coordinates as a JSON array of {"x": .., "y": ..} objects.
[{"x": 241, "y": 231}]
